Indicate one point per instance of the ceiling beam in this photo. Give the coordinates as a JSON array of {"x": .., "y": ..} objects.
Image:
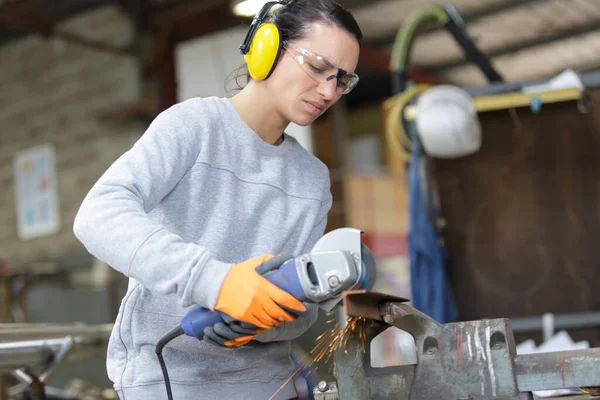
[
  {"x": 190, "y": 19},
  {"x": 184, "y": 9},
  {"x": 558, "y": 34},
  {"x": 40, "y": 17},
  {"x": 96, "y": 45},
  {"x": 354, "y": 5},
  {"x": 496, "y": 9},
  {"x": 536, "y": 64},
  {"x": 62, "y": 9},
  {"x": 509, "y": 5},
  {"x": 28, "y": 16}
]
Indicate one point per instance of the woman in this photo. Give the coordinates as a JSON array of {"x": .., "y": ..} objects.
[{"x": 213, "y": 189}]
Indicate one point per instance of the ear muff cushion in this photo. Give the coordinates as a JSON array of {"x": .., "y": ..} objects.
[{"x": 264, "y": 51}]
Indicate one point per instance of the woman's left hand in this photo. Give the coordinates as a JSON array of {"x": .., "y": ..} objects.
[{"x": 231, "y": 333}]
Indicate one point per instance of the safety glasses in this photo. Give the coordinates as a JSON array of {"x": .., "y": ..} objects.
[{"x": 322, "y": 70}]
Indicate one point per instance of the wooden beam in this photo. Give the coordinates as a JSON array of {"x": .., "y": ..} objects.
[
  {"x": 97, "y": 45},
  {"x": 191, "y": 19},
  {"x": 506, "y": 101},
  {"x": 204, "y": 24},
  {"x": 28, "y": 15},
  {"x": 184, "y": 20},
  {"x": 167, "y": 73},
  {"x": 381, "y": 61},
  {"x": 184, "y": 9}
]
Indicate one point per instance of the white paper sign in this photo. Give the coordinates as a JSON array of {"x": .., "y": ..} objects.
[{"x": 35, "y": 192}]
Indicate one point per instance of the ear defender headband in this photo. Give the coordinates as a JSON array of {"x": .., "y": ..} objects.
[{"x": 263, "y": 44}]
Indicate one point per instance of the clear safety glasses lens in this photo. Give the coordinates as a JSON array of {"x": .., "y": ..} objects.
[{"x": 321, "y": 70}]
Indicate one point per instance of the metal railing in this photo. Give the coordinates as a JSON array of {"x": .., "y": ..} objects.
[{"x": 31, "y": 352}]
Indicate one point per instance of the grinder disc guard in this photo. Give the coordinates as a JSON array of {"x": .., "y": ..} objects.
[{"x": 349, "y": 240}]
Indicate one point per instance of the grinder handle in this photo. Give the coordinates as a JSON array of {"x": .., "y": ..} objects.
[{"x": 285, "y": 277}]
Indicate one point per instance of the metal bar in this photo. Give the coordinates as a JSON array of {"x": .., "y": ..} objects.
[
  {"x": 470, "y": 49},
  {"x": 40, "y": 345},
  {"x": 26, "y": 354},
  {"x": 40, "y": 354},
  {"x": 561, "y": 321},
  {"x": 557, "y": 370},
  {"x": 24, "y": 332},
  {"x": 19, "y": 358}
]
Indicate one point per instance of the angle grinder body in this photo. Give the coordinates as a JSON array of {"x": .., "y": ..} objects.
[{"x": 339, "y": 261}]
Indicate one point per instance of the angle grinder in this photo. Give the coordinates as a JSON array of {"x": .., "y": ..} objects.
[{"x": 339, "y": 261}]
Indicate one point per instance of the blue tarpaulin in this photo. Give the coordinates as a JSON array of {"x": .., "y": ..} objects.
[{"x": 430, "y": 290}]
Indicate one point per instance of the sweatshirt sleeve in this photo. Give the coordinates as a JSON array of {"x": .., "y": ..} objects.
[
  {"x": 113, "y": 222},
  {"x": 293, "y": 330}
]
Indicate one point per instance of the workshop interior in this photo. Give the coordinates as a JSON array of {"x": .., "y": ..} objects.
[{"x": 460, "y": 256}]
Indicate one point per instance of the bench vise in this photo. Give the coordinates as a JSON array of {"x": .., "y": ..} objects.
[{"x": 462, "y": 360}]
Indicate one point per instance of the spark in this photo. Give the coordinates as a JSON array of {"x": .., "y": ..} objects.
[
  {"x": 337, "y": 338},
  {"x": 300, "y": 368},
  {"x": 331, "y": 340}
]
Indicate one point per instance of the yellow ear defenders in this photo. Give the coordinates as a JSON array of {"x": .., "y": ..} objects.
[{"x": 263, "y": 44}]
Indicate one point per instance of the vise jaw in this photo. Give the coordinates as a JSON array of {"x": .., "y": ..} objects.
[{"x": 464, "y": 360}]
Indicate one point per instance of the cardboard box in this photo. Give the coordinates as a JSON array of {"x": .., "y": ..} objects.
[{"x": 376, "y": 203}]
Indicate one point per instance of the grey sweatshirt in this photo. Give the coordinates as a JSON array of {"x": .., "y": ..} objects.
[{"x": 199, "y": 191}]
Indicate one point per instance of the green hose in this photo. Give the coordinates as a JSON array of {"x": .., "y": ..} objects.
[{"x": 406, "y": 34}]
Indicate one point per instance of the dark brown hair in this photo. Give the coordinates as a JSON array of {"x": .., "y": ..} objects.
[{"x": 293, "y": 20}]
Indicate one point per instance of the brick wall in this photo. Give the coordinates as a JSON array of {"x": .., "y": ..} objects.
[{"x": 55, "y": 92}]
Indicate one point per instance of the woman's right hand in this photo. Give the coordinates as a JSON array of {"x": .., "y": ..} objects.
[{"x": 246, "y": 296}]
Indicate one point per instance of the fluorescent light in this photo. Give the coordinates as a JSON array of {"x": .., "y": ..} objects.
[{"x": 249, "y": 8}]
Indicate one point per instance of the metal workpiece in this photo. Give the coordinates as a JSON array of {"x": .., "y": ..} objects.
[
  {"x": 366, "y": 304},
  {"x": 588, "y": 319},
  {"x": 463, "y": 360},
  {"x": 466, "y": 360},
  {"x": 32, "y": 352},
  {"x": 355, "y": 377},
  {"x": 571, "y": 369}
]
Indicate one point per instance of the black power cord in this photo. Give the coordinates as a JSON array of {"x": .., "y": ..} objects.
[{"x": 172, "y": 334}]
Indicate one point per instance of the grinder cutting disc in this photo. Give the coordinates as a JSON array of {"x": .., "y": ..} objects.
[{"x": 368, "y": 271}]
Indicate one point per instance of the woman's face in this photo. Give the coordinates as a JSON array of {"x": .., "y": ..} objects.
[{"x": 307, "y": 80}]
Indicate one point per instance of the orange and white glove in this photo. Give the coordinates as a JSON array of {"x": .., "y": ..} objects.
[{"x": 246, "y": 296}]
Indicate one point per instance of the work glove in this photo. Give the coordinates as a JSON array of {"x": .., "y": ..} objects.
[
  {"x": 231, "y": 333},
  {"x": 246, "y": 296},
  {"x": 234, "y": 333}
]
